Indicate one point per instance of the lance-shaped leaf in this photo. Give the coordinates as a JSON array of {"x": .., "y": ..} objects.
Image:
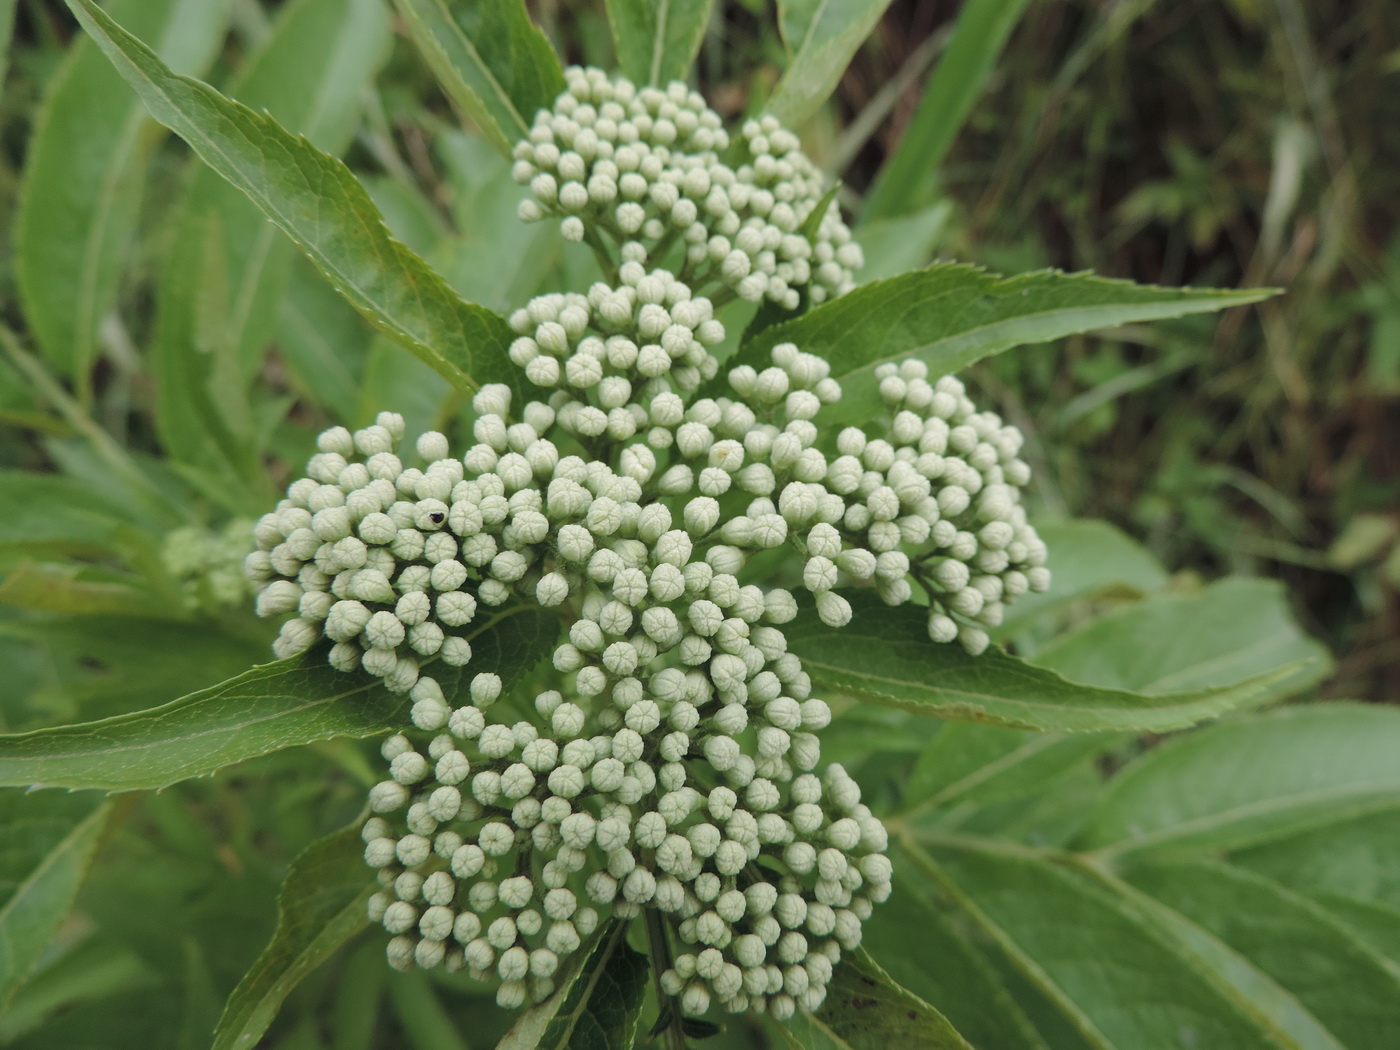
[
  {"x": 321, "y": 907},
  {"x": 822, "y": 36},
  {"x": 1338, "y": 978},
  {"x": 866, "y": 1010},
  {"x": 491, "y": 60},
  {"x": 953, "y": 314},
  {"x": 266, "y": 709},
  {"x": 657, "y": 39},
  {"x": 597, "y": 1005},
  {"x": 1252, "y": 781},
  {"x": 1235, "y": 628},
  {"x": 1115, "y": 978},
  {"x": 317, "y": 202},
  {"x": 46, "y": 843},
  {"x": 884, "y": 656},
  {"x": 85, "y": 176},
  {"x": 921, "y": 949}
]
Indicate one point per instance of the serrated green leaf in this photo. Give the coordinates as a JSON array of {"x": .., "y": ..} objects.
[
  {"x": 1339, "y": 979},
  {"x": 657, "y": 39},
  {"x": 1088, "y": 557},
  {"x": 822, "y": 36},
  {"x": 922, "y": 950},
  {"x": 321, "y": 907},
  {"x": 1121, "y": 982},
  {"x": 85, "y": 175},
  {"x": 490, "y": 59},
  {"x": 266, "y": 709},
  {"x": 227, "y": 269},
  {"x": 884, "y": 656},
  {"x": 866, "y": 1010},
  {"x": 317, "y": 202},
  {"x": 909, "y": 178},
  {"x": 953, "y": 314},
  {"x": 1232, "y": 630},
  {"x": 1254, "y": 780},
  {"x": 46, "y": 844}
]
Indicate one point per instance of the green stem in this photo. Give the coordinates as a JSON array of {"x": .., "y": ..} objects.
[{"x": 674, "y": 1033}]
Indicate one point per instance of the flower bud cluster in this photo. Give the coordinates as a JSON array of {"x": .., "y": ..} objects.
[
  {"x": 208, "y": 565},
  {"x": 675, "y": 763},
  {"x": 642, "y": 166}
]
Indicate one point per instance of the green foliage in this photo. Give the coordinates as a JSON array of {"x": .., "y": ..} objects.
[
  {"x": 49, "y": 843},
  {"x": 1062, "y": 879},
  {"x": 821, "y": 36},
  {"x": 656, "y": 42},
  {"x": 881, "y": 658},
  {"x": 499, "y": 86},
  {"x": 952, "y": 315},
  {"x": 865, "y": 1010},
  {"x": 279, "y": 705},
  {"x": 318, "y": 203}
]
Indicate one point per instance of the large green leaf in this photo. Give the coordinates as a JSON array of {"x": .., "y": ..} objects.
[
  {"x": 322, "y": 906},
  {"x": 1088, "y": 557},
  {"x": 953, "y": 314},
  {"x": 909, "y": 178},
  {"x": 1253, "y": 780},
  {"x": 227, "y": 269},
  {"x": 85, "y": 175},
  {"x": 597, "y": 1004},
  {"x": 822, "y": 36},
  {"x": 1232, "y": 630},
  {"x": 982, "y": 764},
  {"x": 317, "y": 202},
  {"x": 1339, "y": 979},
  {"x": 1117, "y": 979},
  {"x": 866, "y": 1010},
  {"x": 884, "y": 656},
  {"x": 657, "y": 39},
  {"x": 1358, "y": 858},
  {"x": 266, "y": 709},
  {"x": 923, "y": 951},
  {"x": 494, "y": 64},
  {"x": 46, "y": 844}
]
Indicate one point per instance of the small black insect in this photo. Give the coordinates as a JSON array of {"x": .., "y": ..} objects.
[{"x": 436, "y": 517}]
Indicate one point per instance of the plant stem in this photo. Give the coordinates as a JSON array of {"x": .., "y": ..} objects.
[{"x": 661, "y": 962}]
